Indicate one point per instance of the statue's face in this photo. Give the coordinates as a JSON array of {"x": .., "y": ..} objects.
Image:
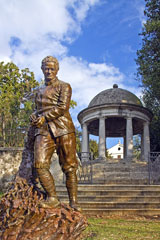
[{"x": 49, "y": 71}]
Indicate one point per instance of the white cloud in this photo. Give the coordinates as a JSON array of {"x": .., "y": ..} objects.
[
  {"x": 29, "y": 19},
  {"x": 128, "y": 48},
  {"x": 139, "y": 6},
  {"x": 81, "y": 7},
  {"x": 41, "y": 26},
  {"x": 88, "y": 79},
  {"x": 31, "y": 55}
]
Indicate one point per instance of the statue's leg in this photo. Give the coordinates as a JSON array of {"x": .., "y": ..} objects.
[
  {"x": 71, "y": 184},
  {"x": 44, "y": 147},
  {"x": 69, "y": 164}
]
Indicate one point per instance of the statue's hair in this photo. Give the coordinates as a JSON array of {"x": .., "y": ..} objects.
[{"x": 50, "y": 59}]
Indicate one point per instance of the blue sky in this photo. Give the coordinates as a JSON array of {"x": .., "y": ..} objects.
[
  {"x": 95, "y": 42},
  {"x": 110, "y": 34}
]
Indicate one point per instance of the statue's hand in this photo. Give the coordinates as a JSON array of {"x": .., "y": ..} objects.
[
  {"x": 40, "y": 121},
  {"x": 33, "y": 118},
  {"x": 37, "y": 121}
]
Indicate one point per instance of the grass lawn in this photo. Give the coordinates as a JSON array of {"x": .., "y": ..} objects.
[{"x": 122, "y": 229}]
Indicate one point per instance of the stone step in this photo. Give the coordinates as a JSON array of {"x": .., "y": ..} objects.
[
  {"x": 116, "y": 199},
  {"x": 119, "y": 175},
  {"x": 119, "y": 205},
  {"x": 120, "y": 199},
  {"x": 124, "y": 165},
  {"x": 113, "y": 193},
  {"x": 111, "y": 187},
  {"x": 115, "y": 174},
  {"x": 120, "y": 169},
  {"x": 119, "y": 181},
  {"x": 121, "y": 212}
]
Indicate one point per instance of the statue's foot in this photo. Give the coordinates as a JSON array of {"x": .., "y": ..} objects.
[
  {"x": 51, "y": 202},
  {"x": 75, "y": 206}
]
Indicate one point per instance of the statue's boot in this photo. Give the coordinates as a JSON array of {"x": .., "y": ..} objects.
[
  {"x": 47, "y": 182},
  {"x": 71, "y": 184}
]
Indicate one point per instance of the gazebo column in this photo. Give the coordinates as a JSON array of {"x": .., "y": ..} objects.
[
  {"x": 142, "y": 146},
  {"x": 146, "y": 140},
  {"x": 124, "y": 147},
  {"x": 129, "y": 138},
  {"x": 85, "y": 138},
  {"x": 102, "y": 138}
]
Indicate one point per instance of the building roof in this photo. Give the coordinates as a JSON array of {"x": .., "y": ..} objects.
[
  {"x": 115, "y": 146},
  {"x": 115, "y": 95}
]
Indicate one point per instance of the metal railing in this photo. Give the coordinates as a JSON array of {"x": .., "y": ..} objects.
[
  {"x": 84, "y": 172},
  {"x": 154, "y": 167},
  {"x": 13, "y": 138}
]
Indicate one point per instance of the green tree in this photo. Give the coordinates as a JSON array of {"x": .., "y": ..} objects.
[
  {"x": 15, "y": 106},
  {"x": 148, "y": 71},
  {"x": 154, "y": 106},
  {"x": 78, "y": 140},
  {"x": 108, "y": 155},
  {"x": 73, "y": 104},
  {"x": 93, "y": 146},
  {"x": 137, "y": 146}
]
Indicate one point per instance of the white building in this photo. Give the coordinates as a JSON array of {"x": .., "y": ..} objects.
[{"x": 116, "y": 151}]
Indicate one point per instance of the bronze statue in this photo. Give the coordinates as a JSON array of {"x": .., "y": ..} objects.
[
  {"x": 25, "y": 212},
  {"x": 54, "y": 130}
]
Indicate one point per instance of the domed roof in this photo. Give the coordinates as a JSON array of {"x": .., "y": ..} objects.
[{"x": 115, "y": 95}]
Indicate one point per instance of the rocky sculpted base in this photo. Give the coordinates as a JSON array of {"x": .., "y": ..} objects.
[{"x": 21, "y": 218}]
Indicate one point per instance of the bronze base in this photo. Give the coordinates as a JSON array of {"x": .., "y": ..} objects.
[
  {"x": 51, "y": 202},
  {"x": 75, "y": 206}
]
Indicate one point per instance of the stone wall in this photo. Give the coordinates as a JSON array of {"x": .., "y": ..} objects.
[{"x": 10, "y": 159}]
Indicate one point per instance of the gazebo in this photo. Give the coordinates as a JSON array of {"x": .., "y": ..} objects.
[{"x": 116, "y": 112}]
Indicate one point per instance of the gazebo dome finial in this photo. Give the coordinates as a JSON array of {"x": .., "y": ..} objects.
[{"x": 115, "y": 85}]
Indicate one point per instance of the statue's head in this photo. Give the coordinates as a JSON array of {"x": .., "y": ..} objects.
[
  {"x": 50, "y": 59},
  {"x": 50, "y": 67}
]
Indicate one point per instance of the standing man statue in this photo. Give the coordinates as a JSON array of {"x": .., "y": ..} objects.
[{"x": 54, "y": 129}]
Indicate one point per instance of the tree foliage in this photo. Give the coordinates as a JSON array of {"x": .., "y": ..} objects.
[
  {"x": 73, "y": 104},
  {"x": 93, "y": 146},
  {"x": 154, "y": 106},
  {"x": 78, "y": 140},
  {"x": 149, "y": 55},
  {"x": 148, "y": 71},
  {"x": 15, "y": 106},
  {"x": 137, "y": 146}
]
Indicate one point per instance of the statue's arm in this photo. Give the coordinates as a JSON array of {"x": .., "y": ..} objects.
[{"x": 36, "y": 119}]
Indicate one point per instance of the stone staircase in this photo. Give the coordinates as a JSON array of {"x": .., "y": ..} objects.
[
  {"x": 120, "y": 172},
  {"x": 115, "y": 199}
]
